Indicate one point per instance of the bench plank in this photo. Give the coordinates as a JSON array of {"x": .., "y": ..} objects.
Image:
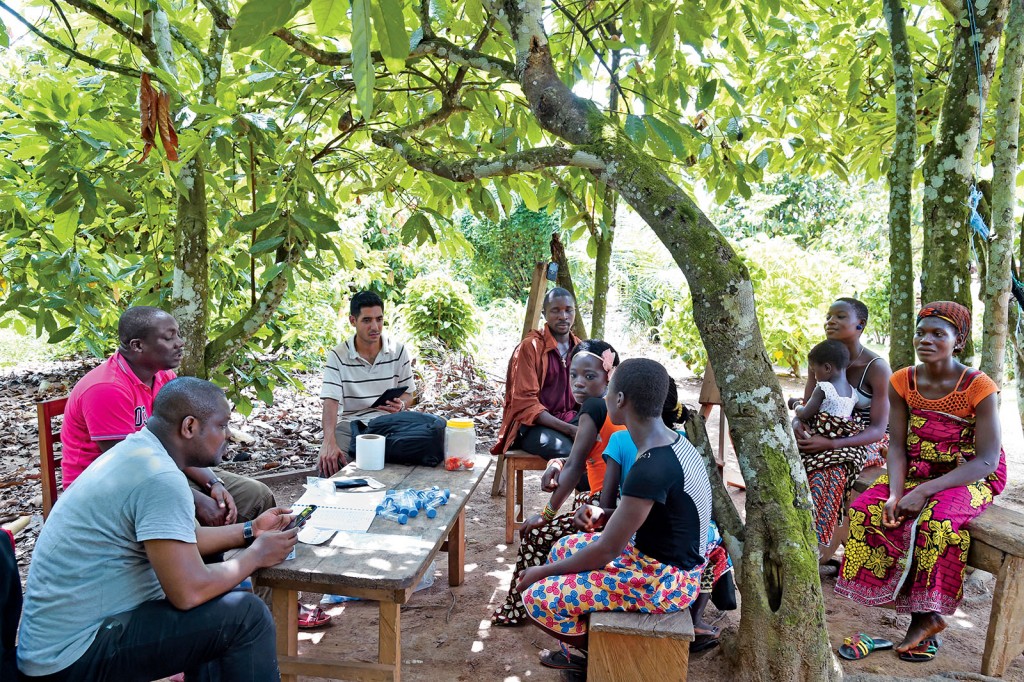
[{"x": 676, "y": 625}]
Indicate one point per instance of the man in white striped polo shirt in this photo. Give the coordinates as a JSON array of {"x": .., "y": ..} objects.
[{"x": 358, "y": 371}]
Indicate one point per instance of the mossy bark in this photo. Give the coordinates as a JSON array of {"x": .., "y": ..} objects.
[
  {"x": 901, "y": 178},
  {"x": 948, "y": 169},
  {"x": 602, "y": 272},
  {"x": 996, "y": 290},
  {"x": 191, "y": 285}
]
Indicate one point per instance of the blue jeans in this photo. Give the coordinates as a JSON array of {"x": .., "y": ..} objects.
[{"x": 227, "y": 638}]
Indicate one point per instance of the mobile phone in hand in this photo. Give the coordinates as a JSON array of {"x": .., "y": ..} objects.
[{"x": 302, "y": 517}]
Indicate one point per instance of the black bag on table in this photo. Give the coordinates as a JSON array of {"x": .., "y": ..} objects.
[{"x": 414, "y": 438}]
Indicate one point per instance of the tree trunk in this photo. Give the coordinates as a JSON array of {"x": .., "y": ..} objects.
[
  {"x": 602, "y": 268},
  {"x": 996, "y": 289},
  {"x": 190, "y": 291},
  {"x": 782, "y": 629},
  {"x": 901, "y": 178},
  {"x": 945, "y": 267},
  {"x": 564, "y": 280}
]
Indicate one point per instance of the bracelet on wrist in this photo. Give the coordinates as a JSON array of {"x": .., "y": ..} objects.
[
  {"x": 214, "y": 481},
  {"x": 549, "y": 512},
  {"x": 248, "y": 535}
]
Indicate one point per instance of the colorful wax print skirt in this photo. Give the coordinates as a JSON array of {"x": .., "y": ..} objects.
[
  {"x": 919, "y": 565},
  {"x": 631, "y": 582}
]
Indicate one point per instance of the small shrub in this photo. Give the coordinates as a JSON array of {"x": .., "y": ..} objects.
[{"x": 439, "y": 309}]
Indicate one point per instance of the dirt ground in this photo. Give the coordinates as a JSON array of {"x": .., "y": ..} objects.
[{"x": 446, "y": 632}]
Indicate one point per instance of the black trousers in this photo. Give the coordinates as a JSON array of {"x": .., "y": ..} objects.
[{"x": 226, "y": 639}]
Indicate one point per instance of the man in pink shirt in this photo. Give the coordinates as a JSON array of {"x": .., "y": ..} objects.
[{"x": 115, "y": 399}]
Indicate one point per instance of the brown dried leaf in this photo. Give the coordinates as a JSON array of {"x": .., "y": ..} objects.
[
  {"x": 147, "y": 113},
  {"x": 168, "y": 137}
]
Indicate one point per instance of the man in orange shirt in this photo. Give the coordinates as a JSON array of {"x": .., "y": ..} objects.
[{"x": 539, "y": 404}]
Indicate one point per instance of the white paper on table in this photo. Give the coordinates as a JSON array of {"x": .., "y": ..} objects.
[{"x": 341, "y": 511}]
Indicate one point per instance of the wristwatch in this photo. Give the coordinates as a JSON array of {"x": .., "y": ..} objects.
[
  {"x": 214, "y": 481},
  {"x": 247, "y": 533}
]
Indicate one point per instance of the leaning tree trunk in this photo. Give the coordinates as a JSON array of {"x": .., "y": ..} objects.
[
  {"x": 996, "y": 289},
  {"x": 945, "y": 267},
  {"x": 564, "y": 280},
  {"x": 901, "y": 178},
  {"x": 782, "y": 629}
]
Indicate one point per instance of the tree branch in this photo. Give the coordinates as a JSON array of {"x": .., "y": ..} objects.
[
  {"x": 190, "y": 47},
  {"x": 447, "y": 110},
  {"x": 593, "y": 47},
  {"x": 576, "y": 201},
  {"x": 476, "y": 169},
  {"x": 954, "y": 7},
  {"x": 258, "y": 314},
  {"x": 56, "y": 44},
  {"x": 424, "y": 12},
  {"x": 147, "y": 47}
]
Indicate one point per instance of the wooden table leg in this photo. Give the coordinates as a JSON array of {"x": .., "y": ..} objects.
[
  {"x": 457, "y": 551},
  {"x": 285, "y": 609},
  {"x": 389, "y": 644}
]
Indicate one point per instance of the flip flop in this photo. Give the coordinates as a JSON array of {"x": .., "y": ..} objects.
[
  {"x": 860, "y": 645},
  {"x": 703, "y": 643},
  {"x": 923, "y": 652},
  {"x": 314, "y": 618},
  {"x": 563, "y": 660}
]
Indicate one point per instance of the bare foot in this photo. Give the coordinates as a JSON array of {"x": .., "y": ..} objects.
[
  {"x": 705, "y": 629},
  {"x": 922, "y": 626}
]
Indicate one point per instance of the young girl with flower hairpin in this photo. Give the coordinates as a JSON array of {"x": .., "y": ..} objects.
[{"x": 591, "y": 365}]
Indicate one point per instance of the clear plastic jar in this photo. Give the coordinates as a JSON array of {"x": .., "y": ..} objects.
[{"x": 459, "y": 444}]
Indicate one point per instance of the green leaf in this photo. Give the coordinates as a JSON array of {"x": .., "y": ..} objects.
[
  {"x": 61, "y": 334},
  {"x": 328, "y": 14},
  {"x": 118, "y": 193},
  {"x": 362, "y": 65},
  {"x": 707, "y": 94},
  {"x": 258, "y": 18},
  {"x": 740, "y": 99},
  {"x": 417, "y": 224},
  {"x": 5, "y": 41},
  {"x": 662, "y": 27},
  {"x": 635, "y": 129},
  {"x": 64, "y": 227},
  {"x": 265, "y": 245},
  {"x": 262, "y": 121},
  {"x": 391, "y": 34},
  {"x": 856, "y": 73},
  {"x": 669, "y": 135}
]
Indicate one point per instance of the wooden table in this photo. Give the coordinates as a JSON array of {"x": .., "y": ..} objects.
[{"x": 385, "y": 567}]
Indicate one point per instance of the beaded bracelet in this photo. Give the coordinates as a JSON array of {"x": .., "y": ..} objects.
[{"x": 549, "y": 512}]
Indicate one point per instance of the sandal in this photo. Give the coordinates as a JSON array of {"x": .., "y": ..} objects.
[
  {"x": 313, "y": 618},
  {"x": 923, "y": 652},
  {"x": 562, "y": 659},
  {"x": 860, "y": 645}
]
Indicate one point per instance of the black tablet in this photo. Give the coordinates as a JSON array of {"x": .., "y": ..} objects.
[{"x": 389, "y": 395}]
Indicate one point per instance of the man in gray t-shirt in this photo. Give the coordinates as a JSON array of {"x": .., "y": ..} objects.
[{"x": 118, "y": 588}]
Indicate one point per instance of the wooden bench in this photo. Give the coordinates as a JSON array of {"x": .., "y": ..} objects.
[
  {"x": 626, "y": 645},
  {"x": 997, "y": 546},
  {"x": 46, "y": 411}
]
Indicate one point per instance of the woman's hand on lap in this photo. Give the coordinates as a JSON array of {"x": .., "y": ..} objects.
[
  {"x": 535, "y": 521},
  {"x": 910, "y": 505},
  {"x": 589, "y": 518},
  {"x": 889, "y": 512},
  {"x": 814, "y": 443},
  {"x": 529, "y": 577}
]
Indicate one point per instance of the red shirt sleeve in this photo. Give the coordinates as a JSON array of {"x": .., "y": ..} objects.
[{"x": 109, "y": 412}]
